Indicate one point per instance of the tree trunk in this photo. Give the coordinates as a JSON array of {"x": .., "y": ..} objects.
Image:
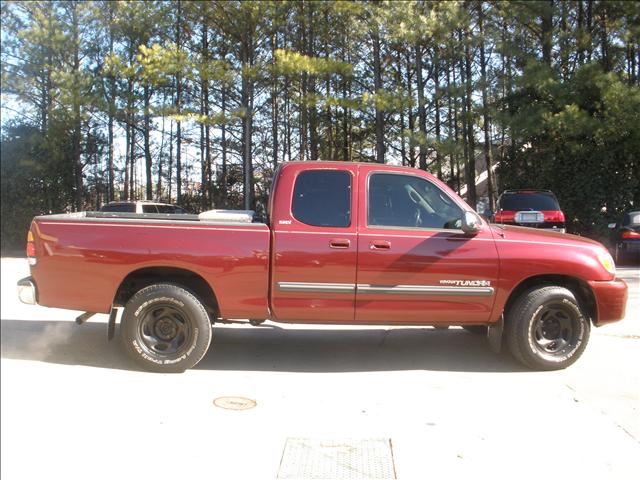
[
  {"x": 170, "y": 174},
  {"x": 580, "y": 33},
  {"x": 223, "y": 129},
  {"x": 274, "y": 101},
  {"x": 77, "y": 120},
  {"x": 160, "y": 159},
  {"x": 547, "y": 31},
  {"x": 422, "y": 112},
  {"x": 403, "y": 140},
  {"x": 437, "y": 111},
  {"x": 206, "y": 164},
  {"x": 132, "y": 163},
  {"x": 488, "y": 154},
  {"x": 452, "y": 137},
  {"x": 247, "y": 119},
  {"x": 377, "y": 81},
  {"x": 471, "y": 165},
  {"x": 412, "y": 121},
  {"x": 112, "y": 110},
  {"x": 178, "y": 109},
  {"x": 345, "y": 123},
  {"x": 564, "y": 41},
  {"x": 604, "y": 37},
  {"x": 147, "y": 146},
  {"x": 126, "y": 157},
  {"x": 311, "y": 89},
  {"x": 329, "y": 120},
  {"x": 589, "y": 30},
  {"x": 304, "y": 110}
]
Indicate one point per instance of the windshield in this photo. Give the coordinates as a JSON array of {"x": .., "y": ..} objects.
[{"x": 528, "y": 201}]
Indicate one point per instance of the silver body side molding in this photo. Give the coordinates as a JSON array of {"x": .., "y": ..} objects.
[
  {"x": 425, "y": 290},
  {"x": 384, "y": 289},
  {"x": 316, "y": 287}
]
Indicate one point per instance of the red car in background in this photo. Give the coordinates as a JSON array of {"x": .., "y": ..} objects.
[{"x": 530, "y": 208}]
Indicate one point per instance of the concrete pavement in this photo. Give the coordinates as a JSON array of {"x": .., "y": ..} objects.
[{"x": 73, "y": 405}]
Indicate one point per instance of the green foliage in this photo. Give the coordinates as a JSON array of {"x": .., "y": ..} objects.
[
  {"x": 273, "y": 81},
  {"x": 32, "y": 179},
  {"x": 579, "y": 139}
]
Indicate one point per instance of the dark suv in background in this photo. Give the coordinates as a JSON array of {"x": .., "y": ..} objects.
[
  {"x": 625, "y": 238},
  {"x": 530, "y": 208}
]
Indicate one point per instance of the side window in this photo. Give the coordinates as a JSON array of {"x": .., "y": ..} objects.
[
  {"x": 121, "y": 207},
  {"x": 322, "y": 198},
  {"x": 409, "y": 201},
  {"x": 149, "y": 209}
]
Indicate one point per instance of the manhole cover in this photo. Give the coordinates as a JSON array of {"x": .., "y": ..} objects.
[
  {"x": 234, "y": 403},
  {"x": 308, "y": 458}
]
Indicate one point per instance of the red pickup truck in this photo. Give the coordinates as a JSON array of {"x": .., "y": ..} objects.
[{"x": 344, "y": 243}]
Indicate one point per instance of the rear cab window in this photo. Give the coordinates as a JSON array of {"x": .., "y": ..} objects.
[{"x": 322, "y": 198}]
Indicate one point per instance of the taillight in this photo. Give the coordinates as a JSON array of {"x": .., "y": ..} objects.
[
  {"x": 630, "y": 234},
  {"x": 555, "y": 216},
  {"x": 31, "y": 249}
]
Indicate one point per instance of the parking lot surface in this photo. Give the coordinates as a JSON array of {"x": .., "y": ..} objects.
[{"x": 360, "y": 403}]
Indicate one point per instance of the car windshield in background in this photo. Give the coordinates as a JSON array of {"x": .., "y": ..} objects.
[{"x": 528, "y": 201}]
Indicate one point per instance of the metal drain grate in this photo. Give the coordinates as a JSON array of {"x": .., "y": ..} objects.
[{"x": 307, "y": 458}]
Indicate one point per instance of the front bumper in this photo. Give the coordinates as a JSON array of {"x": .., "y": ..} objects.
[
  {"x": 611, "y": 300},
  {"x": 27, "y": 291}
]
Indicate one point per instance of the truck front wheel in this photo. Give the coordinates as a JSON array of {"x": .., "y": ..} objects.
[
  {"x": 165, "y": 328},
  {"x": 546, "y": 328}
]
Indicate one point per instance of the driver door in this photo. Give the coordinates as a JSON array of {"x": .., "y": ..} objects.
[{"x": 415, "y": 264}]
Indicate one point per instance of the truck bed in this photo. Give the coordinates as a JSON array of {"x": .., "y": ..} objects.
[{"x": 84, "y": 257}]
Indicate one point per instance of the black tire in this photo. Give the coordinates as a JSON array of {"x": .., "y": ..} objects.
[
  {"x": 546, "y": 329},
  {"x": 165, "y": 328},
  {"x": 618, "y": 256},
  {"x": 476, "y": 329}
]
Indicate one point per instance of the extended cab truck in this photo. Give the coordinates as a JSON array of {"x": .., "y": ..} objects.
[{"x": 345, "y": 243}]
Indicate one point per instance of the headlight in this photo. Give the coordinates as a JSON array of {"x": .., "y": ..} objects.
[{"x": 606, "y": 260}]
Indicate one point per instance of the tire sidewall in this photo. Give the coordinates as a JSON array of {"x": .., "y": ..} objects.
[
  {"x": 554, "y": 361},
  {"x": 191, "y": 309}
]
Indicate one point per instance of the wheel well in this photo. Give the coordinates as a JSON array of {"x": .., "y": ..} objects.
[
  {"x": 579, "y": 288},
  {"x": 144, "y": 277}
]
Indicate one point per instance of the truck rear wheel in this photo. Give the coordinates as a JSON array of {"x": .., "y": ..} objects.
[
  {"x": 165, "y": 328},
  {"x": 546, "y": 329}
]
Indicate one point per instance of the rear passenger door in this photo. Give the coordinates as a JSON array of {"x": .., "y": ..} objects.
[{"x": 314, "y": 245}]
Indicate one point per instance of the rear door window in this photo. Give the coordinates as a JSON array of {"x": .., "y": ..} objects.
[{"x": 322, "y": 198}]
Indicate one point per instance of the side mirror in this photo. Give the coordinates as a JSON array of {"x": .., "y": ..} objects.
[
  {"x": 612, "y": 225},
  {"x": 471, "y": 223}
]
